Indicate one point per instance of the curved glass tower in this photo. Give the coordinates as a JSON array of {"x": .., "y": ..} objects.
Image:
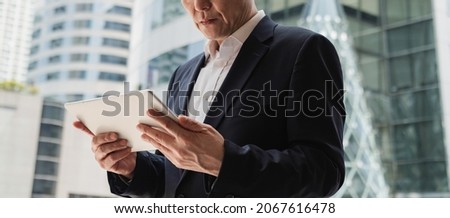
[{"x": 364, "y": 176}]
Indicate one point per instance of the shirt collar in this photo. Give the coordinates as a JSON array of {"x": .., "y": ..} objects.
[
  {"x": 239, "y": 36},
  {"x": 244, "y": 32}
]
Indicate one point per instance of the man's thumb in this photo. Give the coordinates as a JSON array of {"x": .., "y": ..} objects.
[{"x": 190, "y": 124}]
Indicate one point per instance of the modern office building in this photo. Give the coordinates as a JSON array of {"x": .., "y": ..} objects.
[
  {"x": 16, "y": 18},
  {"x": 401, "y": 51},
  {"x": 18, "y": 145},
  {"x": 79, "y": 50},
  {"x": 364, "y": 171},
  {"x": 404, "y": 76},
  {"x": 33, "y": 161}
]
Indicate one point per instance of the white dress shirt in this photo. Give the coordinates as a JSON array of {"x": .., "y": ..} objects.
[{"x": 219, "y": 60}]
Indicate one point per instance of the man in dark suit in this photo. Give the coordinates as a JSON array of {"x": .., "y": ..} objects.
[{"x": 261, "y": 115}]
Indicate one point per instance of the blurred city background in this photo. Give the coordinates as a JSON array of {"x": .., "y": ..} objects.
[{"x": 395, "y": 55}]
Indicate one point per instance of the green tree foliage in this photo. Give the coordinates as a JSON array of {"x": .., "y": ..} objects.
[{"x": 14, "y": 86}]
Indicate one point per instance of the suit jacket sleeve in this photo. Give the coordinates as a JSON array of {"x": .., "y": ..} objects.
[
  {"x": 312, "y": 165},
  {"x": 148, "y": 180}
]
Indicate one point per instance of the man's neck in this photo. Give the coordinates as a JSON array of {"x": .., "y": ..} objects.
[{"x": 248, "y": 18}]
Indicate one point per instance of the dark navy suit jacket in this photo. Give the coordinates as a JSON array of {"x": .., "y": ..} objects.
[{"x": 280, "y": 110}]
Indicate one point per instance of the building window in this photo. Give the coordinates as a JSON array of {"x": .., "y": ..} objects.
[
  {"x": 171, "y": 10},
  {"x": 115, "y": 43},
  {"x": 59, "y": 10},
  {"x": 80, "y": 40},
  {"x": 32, "y": 65},
  {"x": 52, "y": 112},
  {"x": 51, "y": 131},
  {"x": 84, "y": 7},
  {"x": 54, "y": 59},
  {"x": 410, "y": 36},
  {"x": 58, "y": 27},
  {"x": 82, "y": 24},
  {"x": 56, "y": 43},
  {"x": 79, "y": 57},
  {"x": 74, "y": 97},
  {"x": 48, "y": 149},
  {"x": 36, "y": 34},
  {"x": 46, "y": 168},
  {"x": 37, "y": 19},
  {"x": 34, "y": 50},
  {"x": 77, "y": 74},
  {"x": 45, "y": 187},
  {"x": 403, "y": 10},
  {"x": 120, "y": 10},
  {"x": 162, "y": 67},
  {"x": 448, "y": 8},
  {"x": 53, "y": 76},
  {"x": 111, "y": 76},
  {"x": 109, "y": 25},
  {"x": 111, "y": 59}
]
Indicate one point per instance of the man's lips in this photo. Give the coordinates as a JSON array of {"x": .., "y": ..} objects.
[{"x": 207, "y": 21}]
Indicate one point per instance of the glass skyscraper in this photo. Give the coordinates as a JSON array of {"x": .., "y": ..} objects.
[
  {"x": 16, "y": 18},
  {"x": 396, "y": 53},
  {"x": 364, "y": 174},
  {"x": 396, "y": 56}
]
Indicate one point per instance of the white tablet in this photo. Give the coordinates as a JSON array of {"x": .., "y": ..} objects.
[{"x": 120, "y": 113}]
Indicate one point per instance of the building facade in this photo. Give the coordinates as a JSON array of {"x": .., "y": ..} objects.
[
  {"x": 18, "y": 145},
  {"x": 401, "y": 67},
  {"x": 79, "y": 50},
  {"x": 398, "y": 58},
  {"x": 16, "y": 19},
  {"x": 33, "y": 159}
]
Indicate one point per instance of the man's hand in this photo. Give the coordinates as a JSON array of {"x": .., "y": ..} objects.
[
  {"x": 111, "y": 153},
  {"x": 188, "y": 144}
]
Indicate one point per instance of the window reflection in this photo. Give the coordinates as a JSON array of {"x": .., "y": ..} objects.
[
  {"x": 43, "y": 187},
  {"x": 48, "y": 149},
  {"x": 50, "y": 130},
  {"x": 46, "y": 168},
  {"x": 52, "y": 112}
]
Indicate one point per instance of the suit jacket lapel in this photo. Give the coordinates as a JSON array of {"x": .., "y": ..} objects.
[
  {"x": 188, "y": 83},
  {"x": 253, "y": 49},
  {"x": 185, "y": 85}
]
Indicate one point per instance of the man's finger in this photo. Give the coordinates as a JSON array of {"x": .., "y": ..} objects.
[
  {"x": 109, "y": 161},
  {"x": 191, "y": 124},
  {"x": 157, "y": 145},
  {"x": 165, "y": 122},
  {"x": 157, "y": 135},
  {"x": 107, "y": 148},
  {"x": 80, "y": 125},
  {"x": 103, "y": 138}
]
